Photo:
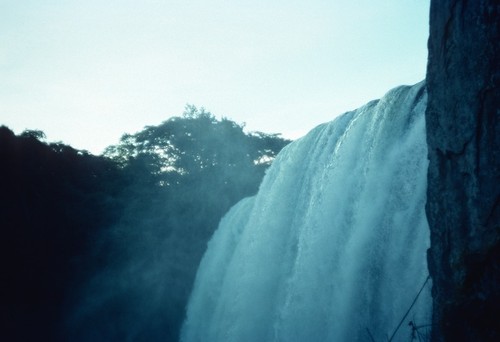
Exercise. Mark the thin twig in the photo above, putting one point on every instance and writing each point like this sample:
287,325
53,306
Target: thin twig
370,334
411,306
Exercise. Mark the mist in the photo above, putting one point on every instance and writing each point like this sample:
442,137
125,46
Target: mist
117,239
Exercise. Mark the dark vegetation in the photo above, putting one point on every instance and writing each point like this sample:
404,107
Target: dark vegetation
105,248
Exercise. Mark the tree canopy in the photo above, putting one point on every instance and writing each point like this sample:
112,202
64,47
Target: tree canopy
194,145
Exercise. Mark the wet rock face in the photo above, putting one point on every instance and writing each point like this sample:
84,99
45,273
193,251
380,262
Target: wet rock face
463,136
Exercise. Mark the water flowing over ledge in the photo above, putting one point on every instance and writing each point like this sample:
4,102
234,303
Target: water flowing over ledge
333,246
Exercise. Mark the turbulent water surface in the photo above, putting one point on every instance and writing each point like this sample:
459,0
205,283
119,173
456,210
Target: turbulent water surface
333,246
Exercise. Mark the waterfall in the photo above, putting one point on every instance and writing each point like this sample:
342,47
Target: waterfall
333,246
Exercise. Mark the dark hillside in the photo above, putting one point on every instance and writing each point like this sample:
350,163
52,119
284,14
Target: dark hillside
54,201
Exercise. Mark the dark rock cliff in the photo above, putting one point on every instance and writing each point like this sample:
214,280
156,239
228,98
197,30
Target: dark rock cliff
463,133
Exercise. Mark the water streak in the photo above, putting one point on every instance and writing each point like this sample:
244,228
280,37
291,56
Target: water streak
334,243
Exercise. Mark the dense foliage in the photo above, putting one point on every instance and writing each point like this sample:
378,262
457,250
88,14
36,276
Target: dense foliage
106,248
54,201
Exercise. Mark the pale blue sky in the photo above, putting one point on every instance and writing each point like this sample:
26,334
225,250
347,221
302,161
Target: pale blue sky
85,72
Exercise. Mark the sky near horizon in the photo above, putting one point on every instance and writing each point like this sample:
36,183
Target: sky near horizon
85,72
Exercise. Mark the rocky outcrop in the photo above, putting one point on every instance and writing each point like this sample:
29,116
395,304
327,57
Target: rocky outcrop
463,134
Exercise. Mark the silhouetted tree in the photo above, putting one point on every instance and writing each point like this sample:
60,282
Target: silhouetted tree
185,174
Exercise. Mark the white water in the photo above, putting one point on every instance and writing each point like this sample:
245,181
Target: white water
335,241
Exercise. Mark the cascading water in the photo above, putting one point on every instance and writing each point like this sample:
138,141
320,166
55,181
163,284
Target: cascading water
333,246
